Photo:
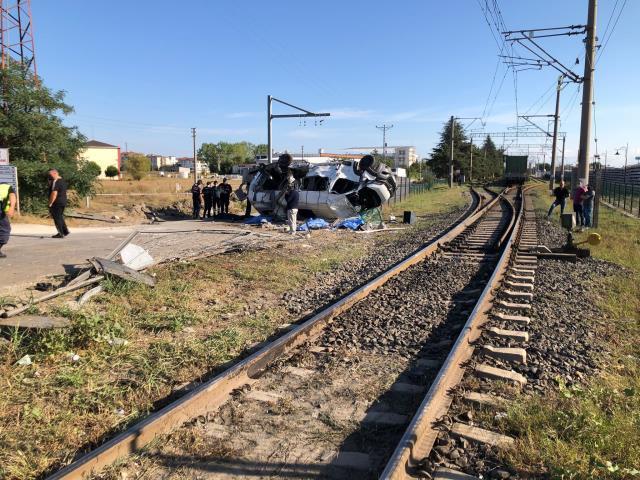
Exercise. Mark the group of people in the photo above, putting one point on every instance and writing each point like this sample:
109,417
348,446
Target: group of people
56,200
583,199
215,198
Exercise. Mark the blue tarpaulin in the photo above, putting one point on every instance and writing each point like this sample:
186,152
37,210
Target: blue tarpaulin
313,224
257,220
352,223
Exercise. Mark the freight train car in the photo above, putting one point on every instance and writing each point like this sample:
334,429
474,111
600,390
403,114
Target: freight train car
515,168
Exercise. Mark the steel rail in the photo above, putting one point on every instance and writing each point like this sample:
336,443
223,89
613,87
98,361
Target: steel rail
421,434
213,393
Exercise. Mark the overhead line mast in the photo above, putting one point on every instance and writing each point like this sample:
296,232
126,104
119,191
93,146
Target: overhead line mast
16,34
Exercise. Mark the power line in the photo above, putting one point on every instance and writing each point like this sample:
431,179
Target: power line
606,41
615,5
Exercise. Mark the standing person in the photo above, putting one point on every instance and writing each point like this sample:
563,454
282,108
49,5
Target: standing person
196,196
7,209
215,191
292,197
587,205
58,202
247,210
207,193
561,193
225,195
578,195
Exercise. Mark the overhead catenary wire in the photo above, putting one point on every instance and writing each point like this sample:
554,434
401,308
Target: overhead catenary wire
605,41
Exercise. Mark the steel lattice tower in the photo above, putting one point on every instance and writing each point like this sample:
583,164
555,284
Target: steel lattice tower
16,34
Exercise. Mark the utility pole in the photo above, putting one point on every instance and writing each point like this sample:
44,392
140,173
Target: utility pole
587,93
554,145
302,150
564,138
195,159
384,129
453,129
471,160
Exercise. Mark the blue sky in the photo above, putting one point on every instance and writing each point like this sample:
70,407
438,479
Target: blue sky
143,72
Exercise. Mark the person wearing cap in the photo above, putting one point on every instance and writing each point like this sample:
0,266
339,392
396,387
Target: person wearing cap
225,195
8,202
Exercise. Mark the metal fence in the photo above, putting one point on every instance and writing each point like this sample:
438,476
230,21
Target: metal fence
620,195
405,189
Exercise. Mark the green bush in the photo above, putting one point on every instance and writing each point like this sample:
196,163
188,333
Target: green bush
111,171
138,166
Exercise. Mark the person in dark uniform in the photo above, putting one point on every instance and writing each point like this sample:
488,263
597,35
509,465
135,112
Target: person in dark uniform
216,198
561,193
207,193
225,195
7,209
196,196
58,202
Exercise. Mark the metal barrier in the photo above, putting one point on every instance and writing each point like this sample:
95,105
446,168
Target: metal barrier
623,196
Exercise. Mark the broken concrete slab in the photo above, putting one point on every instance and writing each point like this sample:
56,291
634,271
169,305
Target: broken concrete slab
122,271
35,321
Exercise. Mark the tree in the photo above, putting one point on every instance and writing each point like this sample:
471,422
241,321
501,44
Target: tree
138,165
222,156
489,163
440,155
31,127
111,171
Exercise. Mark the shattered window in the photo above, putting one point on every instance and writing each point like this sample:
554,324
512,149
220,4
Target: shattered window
315,184
344,185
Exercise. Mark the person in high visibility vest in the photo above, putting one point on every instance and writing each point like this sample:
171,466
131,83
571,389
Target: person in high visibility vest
7,209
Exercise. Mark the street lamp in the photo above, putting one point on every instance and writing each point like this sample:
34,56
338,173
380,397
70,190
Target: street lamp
626,157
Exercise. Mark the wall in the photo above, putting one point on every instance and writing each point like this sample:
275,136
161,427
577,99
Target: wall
104,157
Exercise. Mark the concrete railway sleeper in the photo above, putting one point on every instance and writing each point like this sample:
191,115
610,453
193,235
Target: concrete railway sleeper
364,326
441,436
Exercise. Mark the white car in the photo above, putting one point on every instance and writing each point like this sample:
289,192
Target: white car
336,189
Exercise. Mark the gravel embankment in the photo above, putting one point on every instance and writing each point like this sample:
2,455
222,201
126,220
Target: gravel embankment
564,347
328,286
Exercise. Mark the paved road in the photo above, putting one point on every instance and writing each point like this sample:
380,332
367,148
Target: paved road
32,255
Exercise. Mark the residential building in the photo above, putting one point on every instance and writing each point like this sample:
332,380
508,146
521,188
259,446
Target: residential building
162,162
404,157
103,154
187,162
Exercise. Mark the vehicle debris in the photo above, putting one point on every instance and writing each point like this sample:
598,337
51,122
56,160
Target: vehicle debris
337,189
102,265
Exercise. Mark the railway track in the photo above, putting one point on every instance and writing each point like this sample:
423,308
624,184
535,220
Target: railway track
343,394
